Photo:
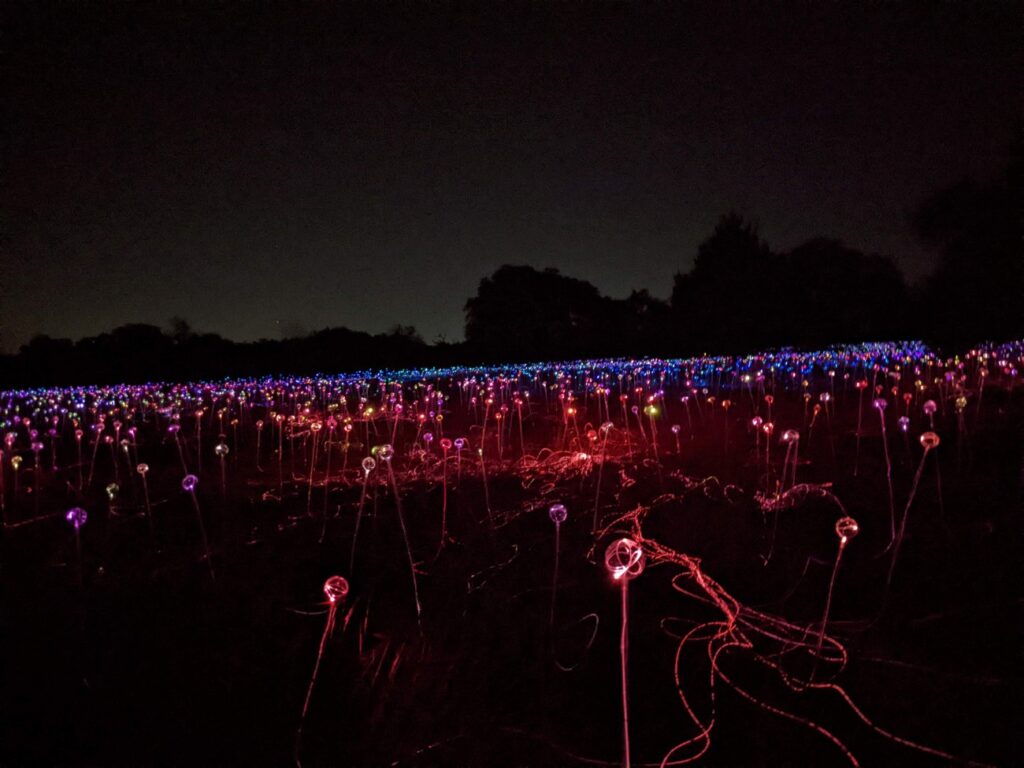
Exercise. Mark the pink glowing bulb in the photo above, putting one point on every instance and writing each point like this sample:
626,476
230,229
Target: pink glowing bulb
880,403
790,436
446,444
846,529
929,440
369,464
624,559
929,407
558,513
142,469
336,589
189,483
460,443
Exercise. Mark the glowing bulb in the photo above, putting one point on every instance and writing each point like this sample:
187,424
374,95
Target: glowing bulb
846,529
558,513
221,449
624,559
929,440
336,588
77,517
189,483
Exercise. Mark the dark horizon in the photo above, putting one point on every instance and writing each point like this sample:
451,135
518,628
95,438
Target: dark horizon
279,170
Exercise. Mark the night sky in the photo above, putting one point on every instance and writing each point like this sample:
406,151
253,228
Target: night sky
267,169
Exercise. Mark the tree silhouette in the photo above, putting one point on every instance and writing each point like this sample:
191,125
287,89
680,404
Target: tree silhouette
520,313
724,303
976,290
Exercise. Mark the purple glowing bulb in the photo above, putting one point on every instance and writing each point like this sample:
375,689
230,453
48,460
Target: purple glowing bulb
189,483
77,517
558,513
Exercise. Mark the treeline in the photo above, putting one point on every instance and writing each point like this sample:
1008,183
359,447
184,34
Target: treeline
739,296
140,353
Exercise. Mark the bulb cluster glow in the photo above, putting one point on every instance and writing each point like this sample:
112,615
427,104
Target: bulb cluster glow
502,452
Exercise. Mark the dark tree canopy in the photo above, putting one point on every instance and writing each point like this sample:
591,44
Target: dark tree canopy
726,300
977,289
521,313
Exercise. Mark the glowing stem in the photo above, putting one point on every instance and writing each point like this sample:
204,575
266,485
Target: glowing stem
359,517
554,578
202,532
888,477
408,549
623,657
328,630
828,596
